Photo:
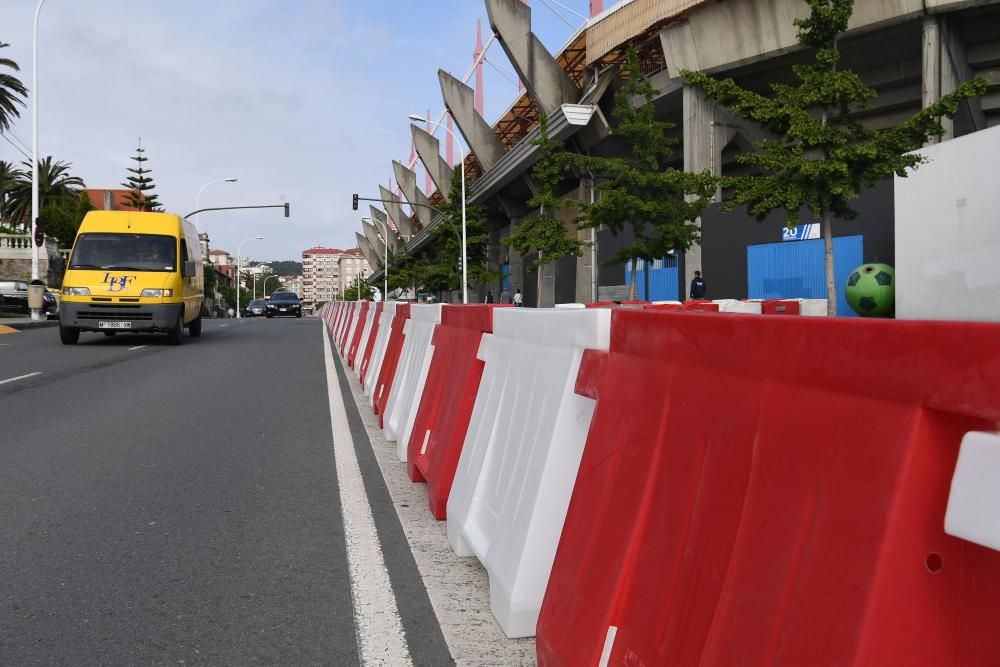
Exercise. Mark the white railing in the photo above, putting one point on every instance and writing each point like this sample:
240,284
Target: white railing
15,241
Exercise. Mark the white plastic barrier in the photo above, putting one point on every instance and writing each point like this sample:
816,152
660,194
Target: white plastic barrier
378,352
571,306
352,324
668,303
813,307
342,324
974,503
360,352
521,454
734,306
411,374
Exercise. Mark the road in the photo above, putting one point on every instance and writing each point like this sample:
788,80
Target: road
164,504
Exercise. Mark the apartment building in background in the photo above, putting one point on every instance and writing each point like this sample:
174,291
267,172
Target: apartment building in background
327,272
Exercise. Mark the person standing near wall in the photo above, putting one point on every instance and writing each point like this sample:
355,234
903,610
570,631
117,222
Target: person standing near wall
489,296
518,299
698,286
505,296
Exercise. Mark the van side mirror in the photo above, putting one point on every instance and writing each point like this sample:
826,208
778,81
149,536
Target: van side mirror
189,270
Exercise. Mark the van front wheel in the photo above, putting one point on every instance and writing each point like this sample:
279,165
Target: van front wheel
176,334
195,328
69,335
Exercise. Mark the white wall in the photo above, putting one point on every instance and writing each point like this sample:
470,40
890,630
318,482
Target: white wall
948,232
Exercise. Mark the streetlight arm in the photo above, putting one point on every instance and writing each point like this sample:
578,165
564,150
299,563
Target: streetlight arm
233,208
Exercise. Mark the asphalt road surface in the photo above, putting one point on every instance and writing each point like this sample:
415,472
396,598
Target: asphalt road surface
163,504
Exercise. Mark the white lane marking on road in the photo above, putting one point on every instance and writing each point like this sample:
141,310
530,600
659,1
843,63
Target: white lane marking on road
137,347
223,326
379,628
20,377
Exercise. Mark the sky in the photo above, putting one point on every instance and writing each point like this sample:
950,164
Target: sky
304,101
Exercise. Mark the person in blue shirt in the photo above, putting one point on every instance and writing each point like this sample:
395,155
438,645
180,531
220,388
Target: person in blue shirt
698,286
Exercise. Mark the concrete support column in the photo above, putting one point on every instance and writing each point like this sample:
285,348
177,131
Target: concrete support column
703,146
945,68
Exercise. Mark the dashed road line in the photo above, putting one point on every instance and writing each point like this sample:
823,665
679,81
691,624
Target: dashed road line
137,347
379,628
20,377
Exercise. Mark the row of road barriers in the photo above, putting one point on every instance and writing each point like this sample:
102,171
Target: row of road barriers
648,486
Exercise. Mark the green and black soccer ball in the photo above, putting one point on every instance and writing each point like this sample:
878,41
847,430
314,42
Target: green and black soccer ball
871,290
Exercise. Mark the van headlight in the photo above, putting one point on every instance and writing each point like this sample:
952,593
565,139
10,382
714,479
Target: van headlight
156,293
76,291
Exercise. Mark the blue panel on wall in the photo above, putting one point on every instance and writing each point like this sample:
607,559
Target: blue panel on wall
663,278
506,277
796,270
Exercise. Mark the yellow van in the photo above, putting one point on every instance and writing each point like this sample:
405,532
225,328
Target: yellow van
133,271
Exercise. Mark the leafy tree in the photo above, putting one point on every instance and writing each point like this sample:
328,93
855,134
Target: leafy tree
545,233
367,292
140,184
54,184
823,157
229,296
443,270
61,217
12,92
660,202
407,271
287,268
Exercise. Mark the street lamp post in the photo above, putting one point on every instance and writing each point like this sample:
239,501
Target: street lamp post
197,199
264,286
239,269
461,157
35,314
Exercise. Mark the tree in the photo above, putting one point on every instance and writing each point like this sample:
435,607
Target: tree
9,176
660,202
287,268
12,92
823,157
54,184
367,292
140,184
545,233
61,217
443,270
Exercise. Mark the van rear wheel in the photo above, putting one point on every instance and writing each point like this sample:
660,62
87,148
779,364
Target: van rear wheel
176,334
69,335
195,328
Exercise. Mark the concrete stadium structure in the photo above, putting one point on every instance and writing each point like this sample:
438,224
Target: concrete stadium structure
910,51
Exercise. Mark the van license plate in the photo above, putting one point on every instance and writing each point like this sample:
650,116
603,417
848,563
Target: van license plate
114,325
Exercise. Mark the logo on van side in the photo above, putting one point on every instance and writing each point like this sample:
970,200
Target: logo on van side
117,283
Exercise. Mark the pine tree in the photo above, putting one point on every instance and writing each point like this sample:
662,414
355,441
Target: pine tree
660,202
545,233
140,184
823,157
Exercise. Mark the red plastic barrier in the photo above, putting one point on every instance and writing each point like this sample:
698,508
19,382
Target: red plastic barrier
380,393
701,306
772,491
338,315
781,307
352,351
366,355
446,404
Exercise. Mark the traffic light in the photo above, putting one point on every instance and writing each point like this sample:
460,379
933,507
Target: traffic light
355,202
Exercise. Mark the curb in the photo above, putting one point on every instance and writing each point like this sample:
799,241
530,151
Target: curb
23,326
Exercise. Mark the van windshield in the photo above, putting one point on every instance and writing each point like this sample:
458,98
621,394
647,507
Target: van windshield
135,252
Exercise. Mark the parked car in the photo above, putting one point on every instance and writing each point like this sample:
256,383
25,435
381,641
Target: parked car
14,298
255,308
284,304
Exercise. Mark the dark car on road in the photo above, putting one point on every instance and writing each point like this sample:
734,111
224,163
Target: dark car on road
255,308
14,298
284,304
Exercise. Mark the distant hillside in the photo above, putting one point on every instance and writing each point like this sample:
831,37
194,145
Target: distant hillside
286,268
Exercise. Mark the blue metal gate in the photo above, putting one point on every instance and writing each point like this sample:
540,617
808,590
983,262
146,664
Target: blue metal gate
796,270
662,279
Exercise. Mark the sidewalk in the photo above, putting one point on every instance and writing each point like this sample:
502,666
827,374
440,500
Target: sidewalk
23,323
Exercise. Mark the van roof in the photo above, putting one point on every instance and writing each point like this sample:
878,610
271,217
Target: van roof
139,222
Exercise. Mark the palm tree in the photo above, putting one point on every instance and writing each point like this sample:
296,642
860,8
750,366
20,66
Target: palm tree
8,176
12,92
54,182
